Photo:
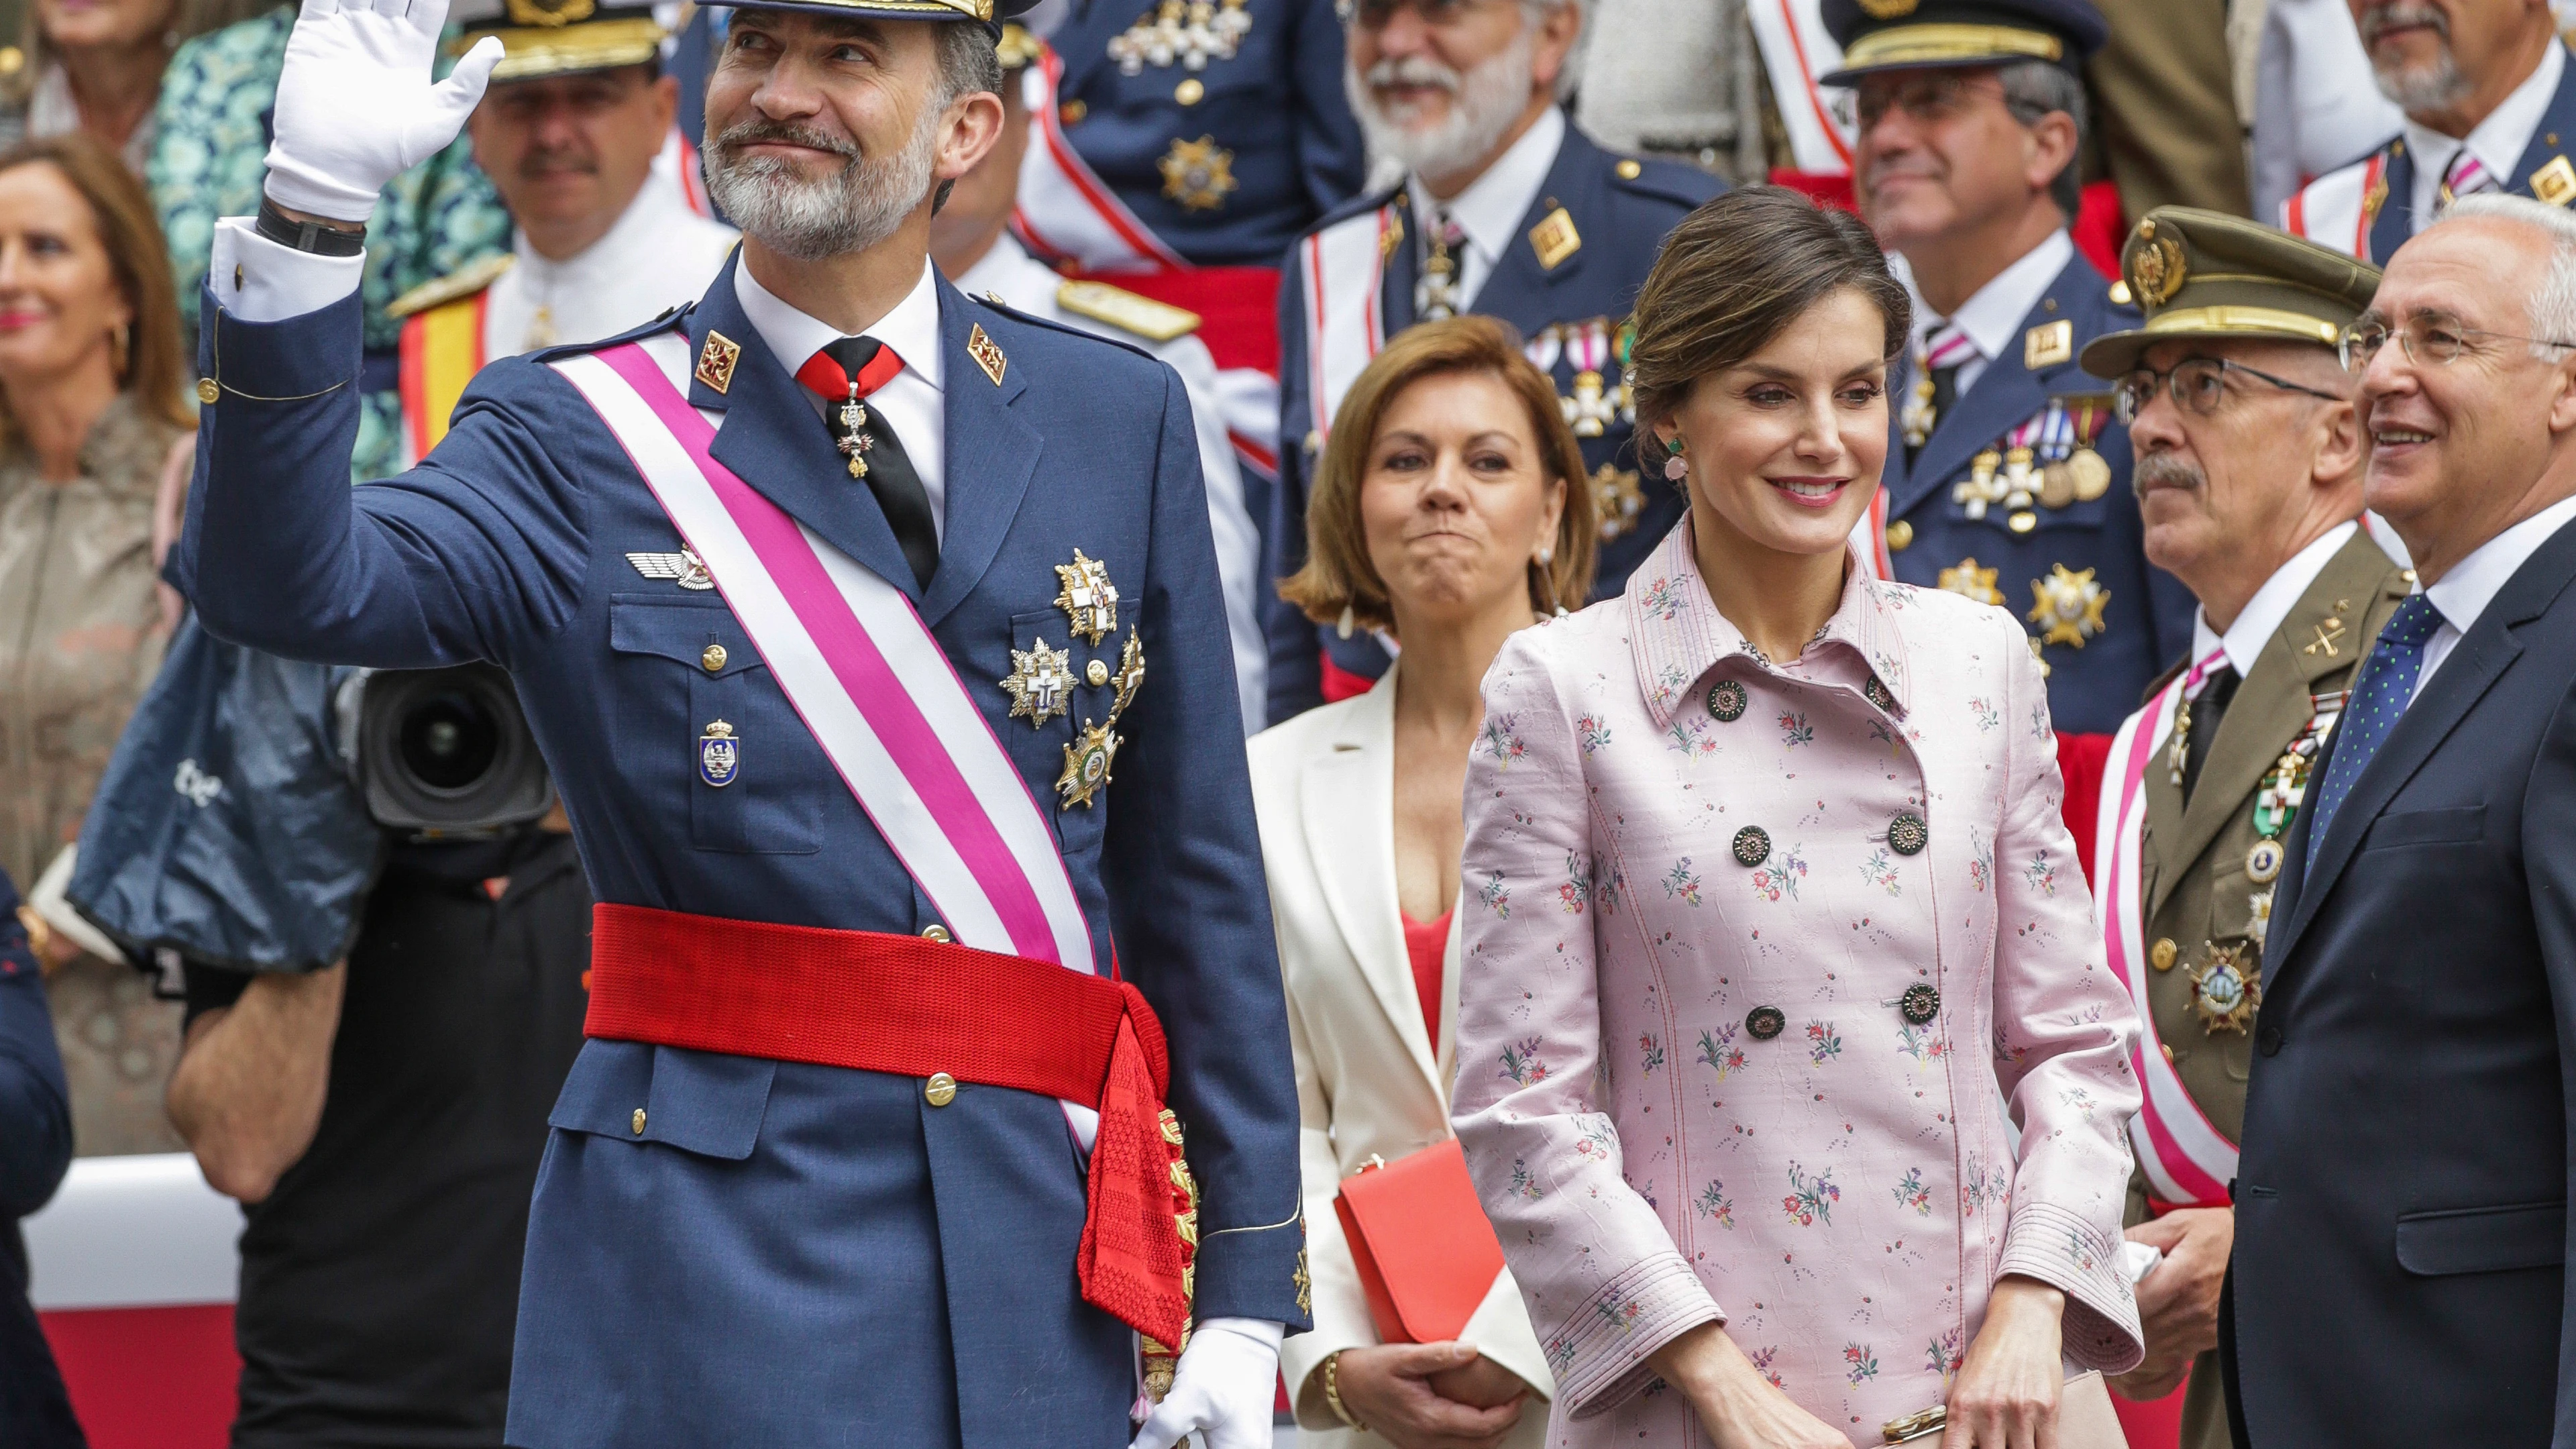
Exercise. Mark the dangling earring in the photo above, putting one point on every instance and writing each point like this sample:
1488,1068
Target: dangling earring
1553,606
1348,622
120,350
1675,470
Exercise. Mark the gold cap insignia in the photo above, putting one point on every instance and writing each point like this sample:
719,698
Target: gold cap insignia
716,357
986,352
1554,239
2048,344
2156,268
549,12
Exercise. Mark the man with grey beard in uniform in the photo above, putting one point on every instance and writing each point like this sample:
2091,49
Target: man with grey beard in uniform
2490,106
1500,196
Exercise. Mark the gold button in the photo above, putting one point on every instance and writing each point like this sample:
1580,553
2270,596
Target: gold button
2022,522
939,1090
2119,294
207,392
936,932
714,658
1189,92
1098,673
2162,953
1899,534
1629,170
1072,112
639,1121
2168,1051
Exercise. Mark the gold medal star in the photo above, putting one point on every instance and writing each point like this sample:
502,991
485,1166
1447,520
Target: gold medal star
1040,683
2069,604
1087,597
1086,766
1973,582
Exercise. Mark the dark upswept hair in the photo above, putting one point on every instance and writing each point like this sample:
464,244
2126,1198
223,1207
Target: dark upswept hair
1735,274
155,368
1337,574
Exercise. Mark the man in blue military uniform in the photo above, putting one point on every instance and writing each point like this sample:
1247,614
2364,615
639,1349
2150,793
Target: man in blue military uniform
2007,477
1505,208
873,636
2490,105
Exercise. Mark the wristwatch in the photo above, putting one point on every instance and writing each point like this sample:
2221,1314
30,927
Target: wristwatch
1333,1392
308,236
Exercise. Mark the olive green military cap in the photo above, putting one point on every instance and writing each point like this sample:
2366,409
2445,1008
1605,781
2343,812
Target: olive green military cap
2207,274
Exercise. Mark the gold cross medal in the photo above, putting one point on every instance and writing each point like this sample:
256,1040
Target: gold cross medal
855,443
1040,683
2070,605
2225,993
1086,766
1087,597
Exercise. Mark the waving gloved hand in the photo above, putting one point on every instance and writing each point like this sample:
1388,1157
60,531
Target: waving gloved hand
1223,1388
356,106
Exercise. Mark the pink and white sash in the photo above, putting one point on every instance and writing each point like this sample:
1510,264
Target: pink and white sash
2187,1161
859,666
1342,269
1065,210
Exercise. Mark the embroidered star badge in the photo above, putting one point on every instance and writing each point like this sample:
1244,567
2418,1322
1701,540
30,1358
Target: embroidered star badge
1040,683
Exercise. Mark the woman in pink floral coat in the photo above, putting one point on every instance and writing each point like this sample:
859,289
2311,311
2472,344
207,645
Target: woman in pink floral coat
1770,908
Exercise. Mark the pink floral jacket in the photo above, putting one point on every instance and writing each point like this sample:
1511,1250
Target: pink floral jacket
1754,953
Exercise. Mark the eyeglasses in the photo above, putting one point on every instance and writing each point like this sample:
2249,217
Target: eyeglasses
1927,97
1374,14
2197,385
2429,339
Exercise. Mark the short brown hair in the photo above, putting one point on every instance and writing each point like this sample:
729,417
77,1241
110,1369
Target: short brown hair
1338,574
126,228
1732,277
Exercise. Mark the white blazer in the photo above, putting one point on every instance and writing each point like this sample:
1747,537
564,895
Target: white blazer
1370,1081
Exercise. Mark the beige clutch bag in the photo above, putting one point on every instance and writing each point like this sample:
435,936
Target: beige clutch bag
2084,1419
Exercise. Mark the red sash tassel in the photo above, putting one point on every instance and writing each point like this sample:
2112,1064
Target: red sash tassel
913,1007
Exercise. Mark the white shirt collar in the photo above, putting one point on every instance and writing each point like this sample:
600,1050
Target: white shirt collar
911,329
2471,585
2498,141
1993,314
1007,271
1490,209
2263,614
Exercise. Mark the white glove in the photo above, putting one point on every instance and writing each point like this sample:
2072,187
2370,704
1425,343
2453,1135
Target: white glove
1224,1388
355,104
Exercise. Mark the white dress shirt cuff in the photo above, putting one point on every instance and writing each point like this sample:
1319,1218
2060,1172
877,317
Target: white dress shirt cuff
258,280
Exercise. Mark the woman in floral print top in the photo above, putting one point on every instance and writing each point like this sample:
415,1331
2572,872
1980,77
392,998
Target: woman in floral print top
1771,902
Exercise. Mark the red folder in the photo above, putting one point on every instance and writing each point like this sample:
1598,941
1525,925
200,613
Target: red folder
1425,1252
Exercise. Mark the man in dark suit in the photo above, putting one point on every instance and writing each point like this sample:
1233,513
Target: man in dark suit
35,1151
2401,1195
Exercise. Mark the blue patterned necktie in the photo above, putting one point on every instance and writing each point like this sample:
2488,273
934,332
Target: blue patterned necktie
2387,683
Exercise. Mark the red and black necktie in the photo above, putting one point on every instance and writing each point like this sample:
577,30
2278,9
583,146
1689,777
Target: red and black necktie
845,372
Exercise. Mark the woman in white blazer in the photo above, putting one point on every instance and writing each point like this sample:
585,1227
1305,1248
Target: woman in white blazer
1450,508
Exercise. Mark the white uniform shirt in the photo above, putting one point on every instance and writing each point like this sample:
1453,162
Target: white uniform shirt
658,255
1028,285
1993,313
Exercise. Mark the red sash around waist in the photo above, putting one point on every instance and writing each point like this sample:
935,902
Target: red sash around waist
915,1007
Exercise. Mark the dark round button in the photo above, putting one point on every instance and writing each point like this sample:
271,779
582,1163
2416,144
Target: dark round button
1907,834
1878,694
1920,1003
1752,846
1726,700
1765,1022
2268,1041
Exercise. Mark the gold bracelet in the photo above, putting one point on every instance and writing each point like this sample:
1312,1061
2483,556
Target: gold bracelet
1333,1391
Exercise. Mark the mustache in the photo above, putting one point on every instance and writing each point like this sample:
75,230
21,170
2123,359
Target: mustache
2380,19
547,160
754,132
1414,70
2164,470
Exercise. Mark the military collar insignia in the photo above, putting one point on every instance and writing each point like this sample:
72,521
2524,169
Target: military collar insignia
1554,239
2555,183
2048,344
987,354
716,358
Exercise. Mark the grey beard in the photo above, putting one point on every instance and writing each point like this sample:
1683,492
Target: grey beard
810,220
2422,89
1486,101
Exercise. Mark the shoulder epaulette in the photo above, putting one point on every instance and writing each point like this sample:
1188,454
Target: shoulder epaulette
1128,312
466,283
1673,181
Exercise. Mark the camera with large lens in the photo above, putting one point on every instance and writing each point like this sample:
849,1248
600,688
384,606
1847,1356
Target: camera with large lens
443,751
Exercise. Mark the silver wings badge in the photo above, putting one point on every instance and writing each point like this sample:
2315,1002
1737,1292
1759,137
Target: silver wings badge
685,566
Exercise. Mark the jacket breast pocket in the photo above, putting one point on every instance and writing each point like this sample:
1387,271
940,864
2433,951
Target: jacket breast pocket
2450,825
2482,1240
700,1102
1043,749
706,705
